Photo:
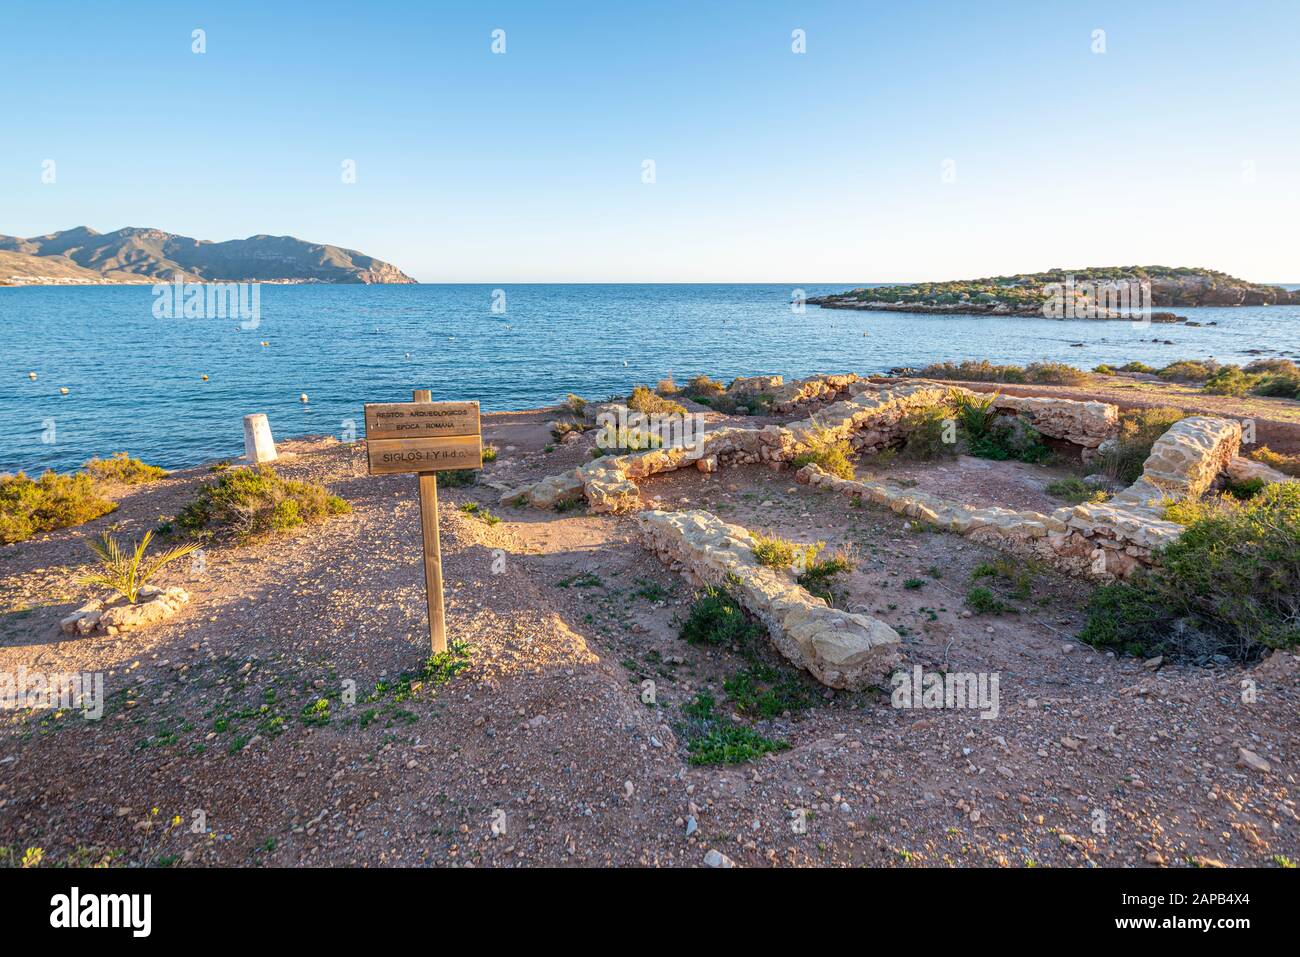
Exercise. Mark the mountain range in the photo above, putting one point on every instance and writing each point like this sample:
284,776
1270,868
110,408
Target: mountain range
82,256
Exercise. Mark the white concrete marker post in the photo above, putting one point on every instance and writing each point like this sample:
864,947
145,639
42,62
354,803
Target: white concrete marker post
258,444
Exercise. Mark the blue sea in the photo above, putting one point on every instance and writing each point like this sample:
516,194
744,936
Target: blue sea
135,381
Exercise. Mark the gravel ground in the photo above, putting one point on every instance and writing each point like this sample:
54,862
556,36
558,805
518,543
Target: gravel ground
542,750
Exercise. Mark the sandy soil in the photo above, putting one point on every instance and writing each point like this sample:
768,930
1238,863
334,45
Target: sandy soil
1091,760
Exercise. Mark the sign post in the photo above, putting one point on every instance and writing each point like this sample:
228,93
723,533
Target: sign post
425,437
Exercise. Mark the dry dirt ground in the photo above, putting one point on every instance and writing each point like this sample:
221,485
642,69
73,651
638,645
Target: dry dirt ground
214,717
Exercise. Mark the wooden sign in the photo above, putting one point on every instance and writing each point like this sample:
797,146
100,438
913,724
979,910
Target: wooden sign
401,420
388,456
425,437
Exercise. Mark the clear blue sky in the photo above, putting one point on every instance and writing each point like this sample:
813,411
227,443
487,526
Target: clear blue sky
1180,145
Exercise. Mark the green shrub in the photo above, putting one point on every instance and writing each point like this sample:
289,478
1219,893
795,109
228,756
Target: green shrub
476,510
973,371
457,478
1138,431
716,618
702,385
1228,585
731,744
120,467
766,692
818,574
712,740
828,452
31,506
1278,386
1188,370
614,441
984,602
1283,367
1138,367
1128,618
1054,373
1103,369
1229,380
643,400
1075,491
575,404
1245,489
773,551
246,502
925,431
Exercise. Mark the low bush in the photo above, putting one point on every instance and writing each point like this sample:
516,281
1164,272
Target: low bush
765,692
1138,367
31,506
973,371
643,400
1054,373
988,435
1286,464
828,452
1075,491
1230,585
716,618
1188,370
702,385
984,602
457,478
817,574
615,441
1230,380
1138,431
713,740
776,552
1277,386
1274,367
931,433
246,502
120,467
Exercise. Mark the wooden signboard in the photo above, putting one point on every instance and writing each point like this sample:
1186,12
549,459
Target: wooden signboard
425,437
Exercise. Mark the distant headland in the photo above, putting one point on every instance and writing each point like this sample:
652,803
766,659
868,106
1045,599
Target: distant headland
82,256
1027,294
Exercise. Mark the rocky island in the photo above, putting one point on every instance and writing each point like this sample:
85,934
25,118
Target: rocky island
82,256
1034,294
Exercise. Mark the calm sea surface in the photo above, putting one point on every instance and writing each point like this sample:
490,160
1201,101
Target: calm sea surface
135,381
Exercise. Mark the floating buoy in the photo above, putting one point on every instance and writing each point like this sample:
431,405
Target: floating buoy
265,343
32,376
303,397
63,390
205,377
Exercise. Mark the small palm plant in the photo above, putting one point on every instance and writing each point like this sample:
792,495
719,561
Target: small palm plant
127,574
975,413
